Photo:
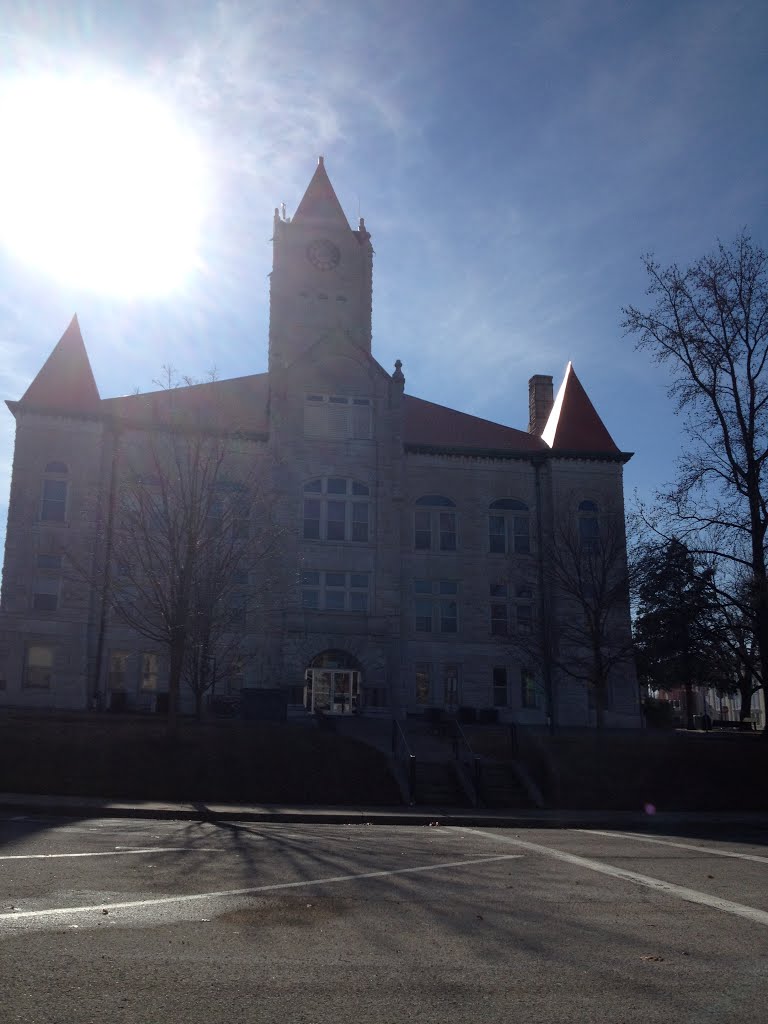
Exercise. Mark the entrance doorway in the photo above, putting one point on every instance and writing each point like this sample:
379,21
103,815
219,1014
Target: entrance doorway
332,684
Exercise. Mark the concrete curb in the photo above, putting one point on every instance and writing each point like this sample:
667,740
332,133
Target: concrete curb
93,807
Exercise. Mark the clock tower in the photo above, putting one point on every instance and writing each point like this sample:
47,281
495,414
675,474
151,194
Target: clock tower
321,276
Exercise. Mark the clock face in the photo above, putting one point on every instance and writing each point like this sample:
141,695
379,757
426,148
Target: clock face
323,254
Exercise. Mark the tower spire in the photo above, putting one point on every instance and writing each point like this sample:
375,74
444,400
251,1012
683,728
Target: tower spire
65,381
573,423
320,203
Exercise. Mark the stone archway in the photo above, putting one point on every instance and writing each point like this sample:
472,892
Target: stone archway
332,683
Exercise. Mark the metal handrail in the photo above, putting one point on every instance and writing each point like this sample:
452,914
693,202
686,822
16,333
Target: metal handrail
400,740
460,738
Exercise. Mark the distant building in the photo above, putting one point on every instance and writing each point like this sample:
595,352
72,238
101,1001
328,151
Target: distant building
415,570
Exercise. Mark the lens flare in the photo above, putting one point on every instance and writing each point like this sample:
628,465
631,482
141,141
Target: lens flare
100,185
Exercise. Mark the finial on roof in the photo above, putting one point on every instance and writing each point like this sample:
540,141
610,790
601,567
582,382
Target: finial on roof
398,374
320,161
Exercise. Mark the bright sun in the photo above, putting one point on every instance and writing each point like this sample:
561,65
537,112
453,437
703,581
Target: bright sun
99,185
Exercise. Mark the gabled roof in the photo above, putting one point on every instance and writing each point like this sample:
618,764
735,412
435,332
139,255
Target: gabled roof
573,424
65,382
436,426
239,405
320,202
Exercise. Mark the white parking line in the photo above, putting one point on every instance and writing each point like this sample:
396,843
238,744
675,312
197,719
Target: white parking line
668,842
689,895
223,894
108,853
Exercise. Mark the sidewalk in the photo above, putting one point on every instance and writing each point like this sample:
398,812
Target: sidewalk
24,804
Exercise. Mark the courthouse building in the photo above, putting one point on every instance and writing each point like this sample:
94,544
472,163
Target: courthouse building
414,569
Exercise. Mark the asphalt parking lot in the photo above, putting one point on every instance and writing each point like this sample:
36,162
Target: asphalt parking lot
164,921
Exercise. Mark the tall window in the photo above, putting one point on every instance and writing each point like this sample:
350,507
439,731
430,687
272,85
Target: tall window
511,610
589,524
118,670
53,506
336,509
45,593
434,524
149,669
38,671
423,683
509,530
436,606
335,591
529,696
500,686
338,417
451,685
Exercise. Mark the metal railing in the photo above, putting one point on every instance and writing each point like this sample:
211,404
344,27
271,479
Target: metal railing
401,751
472,762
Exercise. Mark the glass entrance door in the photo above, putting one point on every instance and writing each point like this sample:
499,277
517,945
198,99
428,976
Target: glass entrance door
333,692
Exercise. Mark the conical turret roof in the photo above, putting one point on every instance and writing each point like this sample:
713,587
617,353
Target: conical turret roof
573,424
320,202
65,383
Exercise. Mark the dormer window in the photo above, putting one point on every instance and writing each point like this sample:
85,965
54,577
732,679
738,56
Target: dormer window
338,417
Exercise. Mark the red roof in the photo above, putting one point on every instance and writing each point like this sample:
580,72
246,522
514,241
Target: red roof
320,202
239,404
65,382
437,426
573,424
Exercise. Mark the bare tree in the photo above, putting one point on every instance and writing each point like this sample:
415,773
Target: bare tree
709,325
589,574
193,529
583,630
738,662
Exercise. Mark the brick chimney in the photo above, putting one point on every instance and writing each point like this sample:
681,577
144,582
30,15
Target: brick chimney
540,402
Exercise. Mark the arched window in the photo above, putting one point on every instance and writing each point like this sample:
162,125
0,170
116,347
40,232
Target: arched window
509,530
434,524
53,504
589,524
336,509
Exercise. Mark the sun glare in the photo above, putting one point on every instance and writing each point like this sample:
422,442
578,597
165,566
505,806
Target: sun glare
100,186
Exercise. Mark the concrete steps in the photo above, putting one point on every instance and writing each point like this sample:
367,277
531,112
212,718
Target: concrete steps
436,784
500,786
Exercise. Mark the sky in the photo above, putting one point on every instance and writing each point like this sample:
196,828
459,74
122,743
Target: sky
513,161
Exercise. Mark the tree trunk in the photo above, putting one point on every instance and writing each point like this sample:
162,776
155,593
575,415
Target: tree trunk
688,703
745,693
174,680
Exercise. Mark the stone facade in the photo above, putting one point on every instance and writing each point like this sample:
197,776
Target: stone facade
413,568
